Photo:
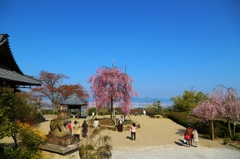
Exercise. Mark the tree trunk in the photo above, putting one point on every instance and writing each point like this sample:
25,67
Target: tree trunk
95,113
229,128
111,116
129,117
234,130
212,127
14,136
53,110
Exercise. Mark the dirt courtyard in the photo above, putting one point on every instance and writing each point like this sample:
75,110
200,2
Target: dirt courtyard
156,138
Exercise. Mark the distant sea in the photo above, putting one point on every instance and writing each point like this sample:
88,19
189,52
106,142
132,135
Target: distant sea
136,102
142,102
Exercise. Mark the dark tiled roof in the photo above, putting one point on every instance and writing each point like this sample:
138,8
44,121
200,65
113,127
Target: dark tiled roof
6,55
74,99
3,39
18,78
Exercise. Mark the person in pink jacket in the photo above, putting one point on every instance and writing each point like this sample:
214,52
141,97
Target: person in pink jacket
132,130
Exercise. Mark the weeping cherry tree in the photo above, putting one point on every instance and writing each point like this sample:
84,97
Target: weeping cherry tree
229,104
111,85
206,111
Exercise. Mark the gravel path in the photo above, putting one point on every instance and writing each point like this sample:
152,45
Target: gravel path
171,152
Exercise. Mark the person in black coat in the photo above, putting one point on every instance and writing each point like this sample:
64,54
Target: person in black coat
84,129
120,124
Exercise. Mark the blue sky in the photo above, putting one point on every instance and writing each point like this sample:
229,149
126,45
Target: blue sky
166,46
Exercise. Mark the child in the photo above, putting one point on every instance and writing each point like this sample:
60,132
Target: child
70,126
195,138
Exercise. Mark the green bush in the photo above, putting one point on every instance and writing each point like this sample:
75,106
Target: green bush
220,126
226,140
28,153
44,112
30,138
207,136
203,127
90,110
182,118
236,137
10,153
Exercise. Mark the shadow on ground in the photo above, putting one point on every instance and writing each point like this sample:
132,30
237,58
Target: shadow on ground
128,137
180,143
180,131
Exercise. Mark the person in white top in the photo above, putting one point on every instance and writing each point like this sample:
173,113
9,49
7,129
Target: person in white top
195,138
96,123
123,119
144,112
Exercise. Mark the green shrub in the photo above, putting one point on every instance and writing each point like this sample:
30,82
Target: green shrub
10,153
220,126
30,138
207,136
102,111
90,148
236,137
20,153
182,118
226,140
44,112
90,110
28,153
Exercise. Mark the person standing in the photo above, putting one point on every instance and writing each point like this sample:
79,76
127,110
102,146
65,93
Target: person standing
84,129
187,135
70,126
76,130
96,123
123,119
133,131
120,124
195,138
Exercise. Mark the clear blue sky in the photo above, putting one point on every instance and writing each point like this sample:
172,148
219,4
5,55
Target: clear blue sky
167,46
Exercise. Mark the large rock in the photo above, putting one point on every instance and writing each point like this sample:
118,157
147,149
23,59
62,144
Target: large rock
61,141
51,151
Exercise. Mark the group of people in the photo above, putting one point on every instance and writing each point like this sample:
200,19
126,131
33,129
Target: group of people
75,129
132,129
191,136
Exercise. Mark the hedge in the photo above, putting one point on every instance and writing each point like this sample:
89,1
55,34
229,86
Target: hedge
184,119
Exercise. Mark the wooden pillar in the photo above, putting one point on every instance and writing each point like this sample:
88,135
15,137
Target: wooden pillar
80,111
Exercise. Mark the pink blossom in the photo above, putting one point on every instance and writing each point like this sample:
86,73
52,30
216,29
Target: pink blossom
112,83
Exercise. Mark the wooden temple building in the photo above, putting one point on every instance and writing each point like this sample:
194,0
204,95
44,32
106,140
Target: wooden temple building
74,102
11,76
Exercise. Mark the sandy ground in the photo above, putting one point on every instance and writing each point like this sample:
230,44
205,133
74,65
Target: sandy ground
157,138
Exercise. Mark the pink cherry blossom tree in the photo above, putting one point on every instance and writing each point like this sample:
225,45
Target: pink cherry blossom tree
229,105
235,111
111,85
207,111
